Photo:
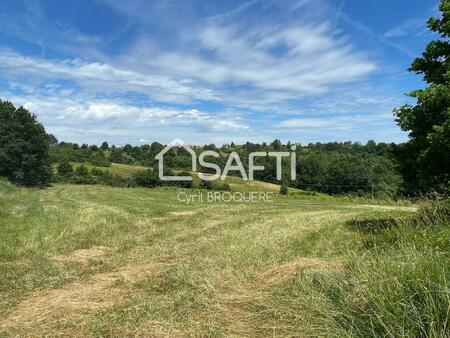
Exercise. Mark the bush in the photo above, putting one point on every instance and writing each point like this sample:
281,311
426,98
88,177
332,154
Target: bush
147,178
81,175
206,185
64,169
81,171
184,184
284,189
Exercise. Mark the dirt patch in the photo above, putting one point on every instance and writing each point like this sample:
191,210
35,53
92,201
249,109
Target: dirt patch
283,273
83,256
62,311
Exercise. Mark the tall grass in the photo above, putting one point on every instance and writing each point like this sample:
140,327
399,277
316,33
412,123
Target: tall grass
397,285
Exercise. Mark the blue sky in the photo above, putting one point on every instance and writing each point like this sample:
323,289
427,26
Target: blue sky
137,71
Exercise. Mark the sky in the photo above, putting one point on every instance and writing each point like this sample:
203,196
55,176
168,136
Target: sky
204,71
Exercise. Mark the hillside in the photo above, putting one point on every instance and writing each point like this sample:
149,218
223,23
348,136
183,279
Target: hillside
236,183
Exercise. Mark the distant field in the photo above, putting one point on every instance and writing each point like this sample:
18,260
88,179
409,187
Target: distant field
236,183
103,261
123,170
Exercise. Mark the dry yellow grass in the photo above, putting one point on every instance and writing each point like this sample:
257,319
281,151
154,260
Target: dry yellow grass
62,311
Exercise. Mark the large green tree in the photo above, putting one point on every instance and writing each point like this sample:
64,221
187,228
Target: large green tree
24,147
424,159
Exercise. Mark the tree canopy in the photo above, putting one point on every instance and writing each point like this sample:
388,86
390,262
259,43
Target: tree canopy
24,147
424,160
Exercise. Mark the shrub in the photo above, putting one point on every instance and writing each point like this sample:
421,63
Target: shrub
81,175
81,171
184,184
147,178
284,189
64,169
206,185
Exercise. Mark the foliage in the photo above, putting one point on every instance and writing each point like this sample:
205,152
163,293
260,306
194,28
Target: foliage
64,168
24,147
425,161
207,185
82,175
225,187
184,184
147,178
283,189
334,168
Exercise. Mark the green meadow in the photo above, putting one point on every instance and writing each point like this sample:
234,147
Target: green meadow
99,261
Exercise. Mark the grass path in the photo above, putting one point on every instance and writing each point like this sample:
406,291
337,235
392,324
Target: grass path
99,261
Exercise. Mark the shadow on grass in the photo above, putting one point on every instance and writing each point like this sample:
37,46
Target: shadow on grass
372,226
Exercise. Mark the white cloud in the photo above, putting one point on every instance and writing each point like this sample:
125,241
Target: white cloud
87,110
102,77
312,59
406,28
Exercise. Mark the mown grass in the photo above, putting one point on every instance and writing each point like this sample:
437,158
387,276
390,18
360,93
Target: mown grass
103,261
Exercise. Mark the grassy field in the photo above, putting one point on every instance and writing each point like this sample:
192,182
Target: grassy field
123,170
102,261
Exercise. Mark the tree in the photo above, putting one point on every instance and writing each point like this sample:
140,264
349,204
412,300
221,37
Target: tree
52,140
104,146
424,160
24,147
276,144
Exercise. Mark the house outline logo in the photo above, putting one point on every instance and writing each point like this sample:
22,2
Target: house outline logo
160,157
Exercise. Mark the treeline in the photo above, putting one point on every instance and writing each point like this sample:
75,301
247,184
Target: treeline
27,154
335,168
